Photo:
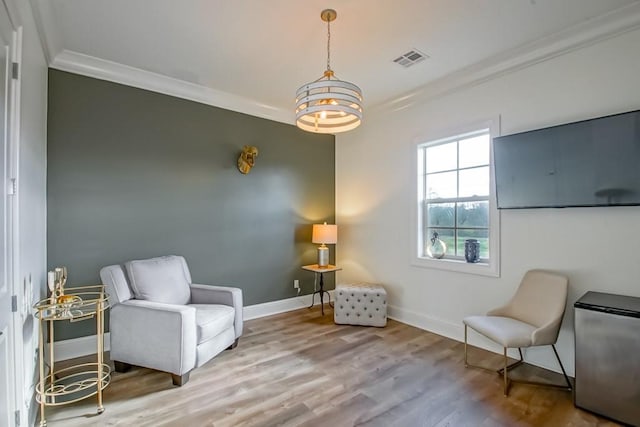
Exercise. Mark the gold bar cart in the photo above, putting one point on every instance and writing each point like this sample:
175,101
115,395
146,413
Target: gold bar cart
74,383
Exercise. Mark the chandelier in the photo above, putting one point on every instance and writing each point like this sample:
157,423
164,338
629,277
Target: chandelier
328,105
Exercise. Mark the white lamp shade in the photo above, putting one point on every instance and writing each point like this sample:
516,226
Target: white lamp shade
325,233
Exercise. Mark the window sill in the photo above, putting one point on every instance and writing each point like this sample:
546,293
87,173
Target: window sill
459,266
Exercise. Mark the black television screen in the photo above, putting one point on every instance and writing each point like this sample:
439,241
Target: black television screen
589,163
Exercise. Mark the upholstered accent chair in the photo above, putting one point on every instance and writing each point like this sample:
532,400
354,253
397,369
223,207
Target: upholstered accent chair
160,320
531,318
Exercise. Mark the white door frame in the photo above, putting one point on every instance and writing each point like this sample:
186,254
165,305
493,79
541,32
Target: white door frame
7,318
12,31
13,222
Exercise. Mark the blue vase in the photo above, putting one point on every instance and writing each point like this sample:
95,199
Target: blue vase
472,250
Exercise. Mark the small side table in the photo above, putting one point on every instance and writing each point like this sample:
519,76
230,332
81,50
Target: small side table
321,270
72,384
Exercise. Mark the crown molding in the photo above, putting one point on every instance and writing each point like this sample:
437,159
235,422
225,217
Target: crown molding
102,69
584,34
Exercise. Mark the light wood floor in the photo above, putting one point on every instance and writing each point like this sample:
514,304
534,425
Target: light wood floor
299,369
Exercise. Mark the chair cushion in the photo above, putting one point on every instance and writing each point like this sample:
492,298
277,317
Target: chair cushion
503,330
161,279
211,319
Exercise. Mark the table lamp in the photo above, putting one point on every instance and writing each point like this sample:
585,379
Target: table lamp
324,234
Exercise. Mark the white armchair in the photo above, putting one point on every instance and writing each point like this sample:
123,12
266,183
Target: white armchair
160,320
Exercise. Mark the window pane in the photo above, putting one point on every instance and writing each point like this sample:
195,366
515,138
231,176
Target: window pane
474,151
442,157
442,185
481,235
474,182
447,235
473,214
440,215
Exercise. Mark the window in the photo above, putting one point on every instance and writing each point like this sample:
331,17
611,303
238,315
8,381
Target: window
455,200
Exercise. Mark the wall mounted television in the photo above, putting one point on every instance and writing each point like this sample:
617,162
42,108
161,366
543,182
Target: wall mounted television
588,163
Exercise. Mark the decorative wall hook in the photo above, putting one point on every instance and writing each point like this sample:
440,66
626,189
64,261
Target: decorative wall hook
247,158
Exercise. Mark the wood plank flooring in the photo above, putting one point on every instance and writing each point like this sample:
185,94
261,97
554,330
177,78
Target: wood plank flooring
300,369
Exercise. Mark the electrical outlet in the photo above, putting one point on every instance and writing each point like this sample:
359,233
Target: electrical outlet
296,284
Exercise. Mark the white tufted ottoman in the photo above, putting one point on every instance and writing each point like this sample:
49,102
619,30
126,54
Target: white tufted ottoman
360,304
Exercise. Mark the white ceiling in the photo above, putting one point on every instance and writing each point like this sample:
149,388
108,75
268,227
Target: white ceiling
264,50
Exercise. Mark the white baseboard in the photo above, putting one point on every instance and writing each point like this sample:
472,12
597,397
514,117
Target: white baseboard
281,306
443,327
83,346
456,332
77,347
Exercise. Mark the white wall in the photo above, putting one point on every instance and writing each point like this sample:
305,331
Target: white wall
595,247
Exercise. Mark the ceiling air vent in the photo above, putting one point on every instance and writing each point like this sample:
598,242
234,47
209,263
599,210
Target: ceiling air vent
410,58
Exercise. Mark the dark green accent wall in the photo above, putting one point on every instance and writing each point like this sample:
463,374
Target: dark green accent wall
133,174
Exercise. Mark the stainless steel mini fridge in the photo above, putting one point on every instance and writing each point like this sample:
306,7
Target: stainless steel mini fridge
607,329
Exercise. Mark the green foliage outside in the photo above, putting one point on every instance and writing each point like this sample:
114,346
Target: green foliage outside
471,220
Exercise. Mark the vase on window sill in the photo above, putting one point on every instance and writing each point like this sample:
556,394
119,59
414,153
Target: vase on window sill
437,249
472,250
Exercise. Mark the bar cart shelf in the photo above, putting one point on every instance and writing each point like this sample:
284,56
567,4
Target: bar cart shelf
78,382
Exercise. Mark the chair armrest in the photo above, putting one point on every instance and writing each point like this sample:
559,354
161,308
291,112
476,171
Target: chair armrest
154,335
225,295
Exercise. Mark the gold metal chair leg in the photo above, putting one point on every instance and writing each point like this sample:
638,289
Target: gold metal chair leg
514,364
466,365
498,371
546,384
504,373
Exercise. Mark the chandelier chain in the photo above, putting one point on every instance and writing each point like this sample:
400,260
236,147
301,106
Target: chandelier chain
328,45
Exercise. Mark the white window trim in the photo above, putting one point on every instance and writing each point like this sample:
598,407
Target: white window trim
492,268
